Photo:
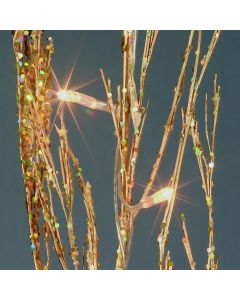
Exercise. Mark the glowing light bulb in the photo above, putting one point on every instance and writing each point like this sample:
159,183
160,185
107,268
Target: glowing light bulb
82,99
62,95
165,194
162,195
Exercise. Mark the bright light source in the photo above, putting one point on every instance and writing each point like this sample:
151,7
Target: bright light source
82,99
163,195
211,165
62,95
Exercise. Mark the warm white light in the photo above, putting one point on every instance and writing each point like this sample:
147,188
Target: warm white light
211,165
163,195
62,95
82,99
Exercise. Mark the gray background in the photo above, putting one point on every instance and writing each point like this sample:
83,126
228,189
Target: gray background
95,49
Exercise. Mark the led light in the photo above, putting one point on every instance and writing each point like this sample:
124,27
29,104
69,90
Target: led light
62,95
82,99
163,195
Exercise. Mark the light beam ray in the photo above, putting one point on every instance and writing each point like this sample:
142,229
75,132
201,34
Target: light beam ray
71,73
177,218
94,80
188,182
81,132
54,120
54,99
155,220
142,185
187,201
86,83
55,77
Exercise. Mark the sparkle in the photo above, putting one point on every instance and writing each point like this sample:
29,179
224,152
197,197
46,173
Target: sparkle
167,193
163,194
62,95
211,165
